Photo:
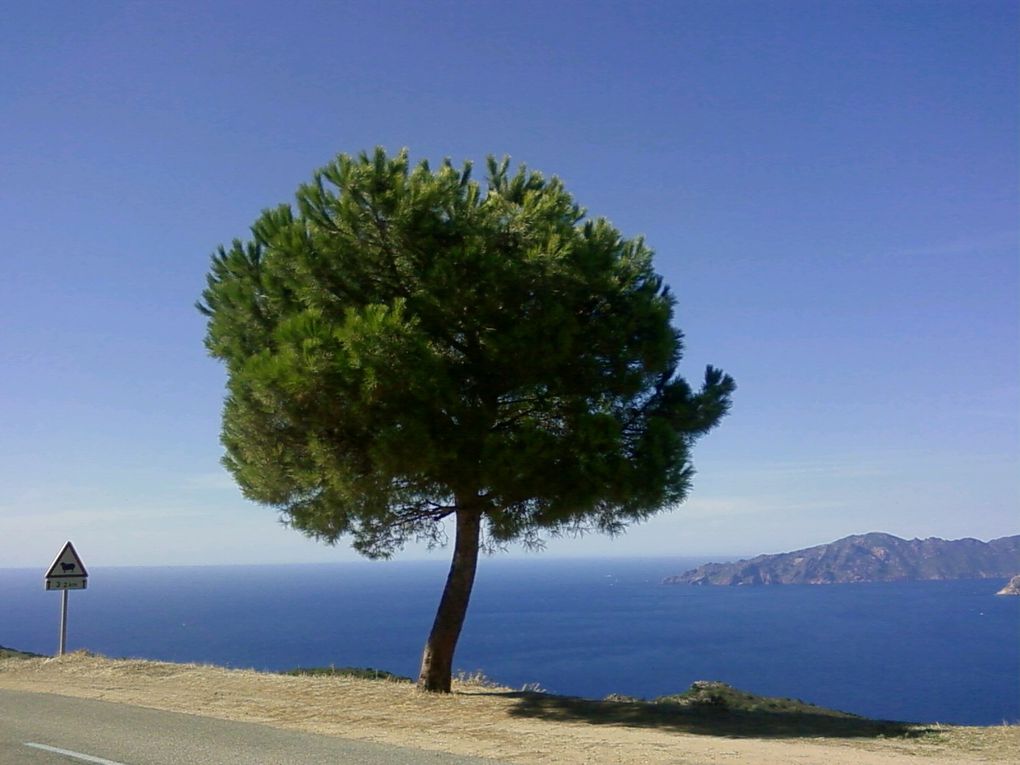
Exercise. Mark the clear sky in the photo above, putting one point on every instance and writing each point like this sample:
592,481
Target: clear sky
831,189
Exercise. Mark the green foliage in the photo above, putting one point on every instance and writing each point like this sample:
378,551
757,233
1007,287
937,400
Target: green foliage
361,673
713,695
407,342
10,653
714,708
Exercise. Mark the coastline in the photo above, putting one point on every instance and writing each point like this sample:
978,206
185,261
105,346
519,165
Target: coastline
551,624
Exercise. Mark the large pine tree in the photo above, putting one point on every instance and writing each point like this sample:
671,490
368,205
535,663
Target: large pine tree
409,346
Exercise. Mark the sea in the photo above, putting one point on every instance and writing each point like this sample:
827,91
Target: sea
914,651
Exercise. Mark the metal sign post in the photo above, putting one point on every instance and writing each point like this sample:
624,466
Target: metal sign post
66,573
63,623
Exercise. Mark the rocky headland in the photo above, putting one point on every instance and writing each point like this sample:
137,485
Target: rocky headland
873,557
1012,587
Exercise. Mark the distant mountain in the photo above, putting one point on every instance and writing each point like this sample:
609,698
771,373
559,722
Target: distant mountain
871,557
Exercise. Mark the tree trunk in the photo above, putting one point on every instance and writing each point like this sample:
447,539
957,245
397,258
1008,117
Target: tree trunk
437,658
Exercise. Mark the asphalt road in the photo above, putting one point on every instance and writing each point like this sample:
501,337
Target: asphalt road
41,729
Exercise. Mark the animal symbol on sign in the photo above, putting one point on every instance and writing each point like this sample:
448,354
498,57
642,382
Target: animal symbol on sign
67,566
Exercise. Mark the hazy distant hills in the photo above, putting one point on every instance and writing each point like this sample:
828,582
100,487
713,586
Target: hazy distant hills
873,557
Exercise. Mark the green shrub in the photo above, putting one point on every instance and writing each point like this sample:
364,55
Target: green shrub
362,673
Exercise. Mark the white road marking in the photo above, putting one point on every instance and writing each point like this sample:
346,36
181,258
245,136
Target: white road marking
75,755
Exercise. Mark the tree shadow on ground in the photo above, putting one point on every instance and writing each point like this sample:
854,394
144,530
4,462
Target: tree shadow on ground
707,721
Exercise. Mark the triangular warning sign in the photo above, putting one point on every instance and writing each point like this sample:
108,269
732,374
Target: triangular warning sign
67,565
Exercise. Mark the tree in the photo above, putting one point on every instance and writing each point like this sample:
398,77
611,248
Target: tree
409,347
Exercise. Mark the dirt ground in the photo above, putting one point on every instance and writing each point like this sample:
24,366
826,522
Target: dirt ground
484,721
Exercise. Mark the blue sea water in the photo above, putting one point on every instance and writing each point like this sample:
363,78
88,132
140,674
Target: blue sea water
919,651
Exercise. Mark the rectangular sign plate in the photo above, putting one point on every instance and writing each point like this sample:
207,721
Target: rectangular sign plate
78,583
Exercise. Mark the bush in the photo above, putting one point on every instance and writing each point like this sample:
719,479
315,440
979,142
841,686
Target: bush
362,673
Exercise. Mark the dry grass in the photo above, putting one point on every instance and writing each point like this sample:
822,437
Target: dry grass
480,720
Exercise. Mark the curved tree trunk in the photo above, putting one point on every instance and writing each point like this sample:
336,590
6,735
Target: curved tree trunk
437,659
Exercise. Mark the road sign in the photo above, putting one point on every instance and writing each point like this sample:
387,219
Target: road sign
67,571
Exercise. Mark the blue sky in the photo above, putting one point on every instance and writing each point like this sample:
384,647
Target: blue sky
831,190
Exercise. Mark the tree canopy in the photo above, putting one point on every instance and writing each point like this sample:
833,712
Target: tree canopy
407,345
